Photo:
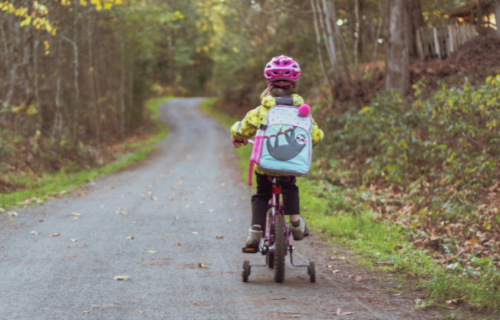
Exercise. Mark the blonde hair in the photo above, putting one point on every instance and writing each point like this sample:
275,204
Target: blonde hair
276,91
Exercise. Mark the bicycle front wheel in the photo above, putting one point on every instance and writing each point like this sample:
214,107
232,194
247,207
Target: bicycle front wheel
279,248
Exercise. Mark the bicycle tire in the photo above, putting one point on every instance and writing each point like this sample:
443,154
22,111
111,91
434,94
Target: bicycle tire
270,255
280,247
246,270
312,271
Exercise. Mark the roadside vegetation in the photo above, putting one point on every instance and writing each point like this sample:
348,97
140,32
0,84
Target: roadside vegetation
34,189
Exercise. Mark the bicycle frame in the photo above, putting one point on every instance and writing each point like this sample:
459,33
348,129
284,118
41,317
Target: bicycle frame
276,209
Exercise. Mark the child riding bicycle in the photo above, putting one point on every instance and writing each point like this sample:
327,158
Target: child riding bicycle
282,74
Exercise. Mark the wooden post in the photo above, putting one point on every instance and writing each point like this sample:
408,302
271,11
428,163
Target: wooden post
419,44
497,18
436,43
450,37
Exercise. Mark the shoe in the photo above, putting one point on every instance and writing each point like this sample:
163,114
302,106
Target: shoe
254,237
301,231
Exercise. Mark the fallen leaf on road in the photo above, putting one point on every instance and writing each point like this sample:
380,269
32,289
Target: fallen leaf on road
154,198
201,265
160,238
340,313
218,237
102,306
187,205
12,214
152,251
55,234
211,210
177,218
74,214
129,238
222,184
135,221
170,199
164,207
118,278
2,210
34,233
178,244
121,212
358,279
201,202
86,311
73,240
335,271
150,193
229,220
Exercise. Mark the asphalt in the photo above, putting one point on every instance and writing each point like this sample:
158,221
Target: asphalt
173,205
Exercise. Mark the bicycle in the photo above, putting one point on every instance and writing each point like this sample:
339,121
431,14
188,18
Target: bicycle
276,240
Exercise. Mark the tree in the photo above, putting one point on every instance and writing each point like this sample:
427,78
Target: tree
397,72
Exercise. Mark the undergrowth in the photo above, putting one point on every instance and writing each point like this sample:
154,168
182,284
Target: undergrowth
37,189
345,213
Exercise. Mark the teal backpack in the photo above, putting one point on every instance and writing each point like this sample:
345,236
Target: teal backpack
284,145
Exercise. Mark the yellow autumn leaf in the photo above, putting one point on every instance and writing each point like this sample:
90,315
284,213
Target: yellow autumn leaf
83,3
473,241
108,5
65,2
25,22
119,2
236,49
32,110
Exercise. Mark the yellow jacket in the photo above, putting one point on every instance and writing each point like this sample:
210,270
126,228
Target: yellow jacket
247,128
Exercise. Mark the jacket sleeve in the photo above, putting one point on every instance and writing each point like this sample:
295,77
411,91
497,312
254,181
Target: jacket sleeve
316,133
247,128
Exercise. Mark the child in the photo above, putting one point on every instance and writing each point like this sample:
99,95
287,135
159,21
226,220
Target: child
282,74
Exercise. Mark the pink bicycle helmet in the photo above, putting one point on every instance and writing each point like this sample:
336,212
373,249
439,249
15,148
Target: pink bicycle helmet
282,71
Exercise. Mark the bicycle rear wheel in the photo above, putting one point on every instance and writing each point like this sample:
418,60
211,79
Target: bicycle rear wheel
279,248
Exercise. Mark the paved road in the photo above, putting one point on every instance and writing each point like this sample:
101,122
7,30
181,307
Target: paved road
173,205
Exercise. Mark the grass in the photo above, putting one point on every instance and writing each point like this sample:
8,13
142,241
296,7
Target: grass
344,215
53,184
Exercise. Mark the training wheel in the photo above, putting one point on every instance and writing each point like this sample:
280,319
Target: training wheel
246,270
311,271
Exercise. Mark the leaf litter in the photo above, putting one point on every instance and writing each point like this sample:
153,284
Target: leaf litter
121,278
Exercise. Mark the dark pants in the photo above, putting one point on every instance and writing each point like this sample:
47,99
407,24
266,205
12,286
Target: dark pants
260,200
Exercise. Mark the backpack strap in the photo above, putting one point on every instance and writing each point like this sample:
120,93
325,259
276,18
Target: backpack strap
250,173
284,101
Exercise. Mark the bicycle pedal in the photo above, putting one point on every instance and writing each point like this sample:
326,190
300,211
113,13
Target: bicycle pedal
249,250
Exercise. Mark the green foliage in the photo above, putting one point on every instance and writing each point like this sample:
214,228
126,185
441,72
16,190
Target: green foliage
450,138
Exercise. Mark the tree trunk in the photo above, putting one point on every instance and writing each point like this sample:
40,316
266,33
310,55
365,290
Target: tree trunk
318,45
331,43
397,71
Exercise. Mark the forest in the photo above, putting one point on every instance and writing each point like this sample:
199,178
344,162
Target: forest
406,92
